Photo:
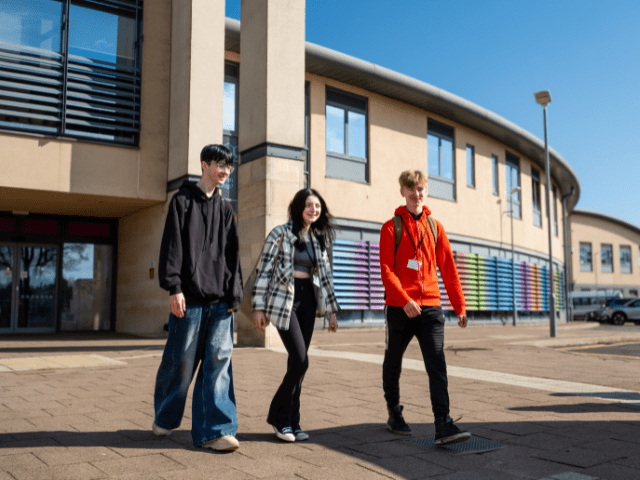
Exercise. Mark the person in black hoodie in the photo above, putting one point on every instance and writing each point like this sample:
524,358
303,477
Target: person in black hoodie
200,267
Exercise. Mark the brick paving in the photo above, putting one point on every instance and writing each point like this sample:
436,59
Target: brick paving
60,421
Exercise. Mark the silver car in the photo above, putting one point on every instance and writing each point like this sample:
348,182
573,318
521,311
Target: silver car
620,312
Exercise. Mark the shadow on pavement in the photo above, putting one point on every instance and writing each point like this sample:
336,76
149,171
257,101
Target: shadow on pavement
605,449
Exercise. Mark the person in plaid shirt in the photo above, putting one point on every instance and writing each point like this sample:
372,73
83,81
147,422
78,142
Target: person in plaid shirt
294,257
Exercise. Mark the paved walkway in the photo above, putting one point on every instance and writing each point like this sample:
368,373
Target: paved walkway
80,407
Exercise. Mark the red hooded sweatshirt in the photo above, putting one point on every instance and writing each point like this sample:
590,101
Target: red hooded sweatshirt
420,283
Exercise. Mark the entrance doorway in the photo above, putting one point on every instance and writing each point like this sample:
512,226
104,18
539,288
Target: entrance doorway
28,286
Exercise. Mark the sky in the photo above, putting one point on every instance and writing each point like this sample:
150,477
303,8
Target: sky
497,53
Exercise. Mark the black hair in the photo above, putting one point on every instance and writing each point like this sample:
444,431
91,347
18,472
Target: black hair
322,228
216,153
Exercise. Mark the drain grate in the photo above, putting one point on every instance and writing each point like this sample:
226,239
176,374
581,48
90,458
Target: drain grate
473,445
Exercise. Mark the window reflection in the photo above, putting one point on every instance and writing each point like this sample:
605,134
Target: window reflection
86,286
335,129
29,23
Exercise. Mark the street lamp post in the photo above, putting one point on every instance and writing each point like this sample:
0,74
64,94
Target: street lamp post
543,98
513,258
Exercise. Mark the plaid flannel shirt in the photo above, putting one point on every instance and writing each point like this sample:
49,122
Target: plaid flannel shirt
273,290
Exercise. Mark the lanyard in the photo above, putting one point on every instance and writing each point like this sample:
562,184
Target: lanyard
411,238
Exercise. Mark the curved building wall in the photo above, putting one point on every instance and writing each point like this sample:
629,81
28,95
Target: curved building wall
476,220
593,236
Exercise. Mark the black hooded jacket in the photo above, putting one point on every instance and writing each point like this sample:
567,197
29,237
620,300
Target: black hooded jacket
199,253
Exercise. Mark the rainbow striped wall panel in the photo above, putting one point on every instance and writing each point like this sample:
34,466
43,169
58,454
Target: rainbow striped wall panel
487,282
356,275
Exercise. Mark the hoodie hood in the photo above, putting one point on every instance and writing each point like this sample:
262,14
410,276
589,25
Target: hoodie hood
402,211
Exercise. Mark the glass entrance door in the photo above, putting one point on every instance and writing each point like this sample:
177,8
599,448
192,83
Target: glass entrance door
7,267
28,288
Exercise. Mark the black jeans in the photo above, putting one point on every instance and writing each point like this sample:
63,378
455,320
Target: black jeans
285,406
428,327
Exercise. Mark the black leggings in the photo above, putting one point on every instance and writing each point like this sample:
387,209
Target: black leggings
285,406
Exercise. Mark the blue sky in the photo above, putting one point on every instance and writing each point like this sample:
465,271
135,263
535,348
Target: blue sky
497,53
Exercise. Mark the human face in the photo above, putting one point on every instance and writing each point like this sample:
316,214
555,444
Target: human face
312,210
217,173
414,197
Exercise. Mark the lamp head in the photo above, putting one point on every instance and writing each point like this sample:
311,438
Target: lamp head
514,190
543,97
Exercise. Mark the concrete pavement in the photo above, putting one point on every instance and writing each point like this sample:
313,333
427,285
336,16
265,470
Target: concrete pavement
82,406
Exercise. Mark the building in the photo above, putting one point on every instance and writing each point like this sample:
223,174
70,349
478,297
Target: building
100,126
604,253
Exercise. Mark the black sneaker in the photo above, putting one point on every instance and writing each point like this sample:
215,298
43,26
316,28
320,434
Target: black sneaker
447,433
396,421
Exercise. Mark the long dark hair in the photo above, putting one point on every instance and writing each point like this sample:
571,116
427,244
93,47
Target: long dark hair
322,228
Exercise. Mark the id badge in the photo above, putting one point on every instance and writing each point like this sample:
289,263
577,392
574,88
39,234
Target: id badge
412,264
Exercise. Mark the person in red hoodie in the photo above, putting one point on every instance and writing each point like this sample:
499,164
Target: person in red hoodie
413,306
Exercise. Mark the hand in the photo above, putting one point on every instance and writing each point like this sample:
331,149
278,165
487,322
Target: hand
462,320
412,309
177,305
333,323
259,320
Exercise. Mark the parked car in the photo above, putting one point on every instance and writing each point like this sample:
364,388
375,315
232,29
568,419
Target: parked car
620,310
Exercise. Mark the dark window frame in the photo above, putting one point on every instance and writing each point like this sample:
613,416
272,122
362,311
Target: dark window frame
536,197
447,133
512,162
62,95
495,177
471,165
608,249
626,267
348,102
584,265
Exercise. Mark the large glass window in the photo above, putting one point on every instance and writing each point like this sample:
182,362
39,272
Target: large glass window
87,282
494,174
471,166
513,181
346,136
585,257
230,129
440,159
535,201
625,259
606,254
71,67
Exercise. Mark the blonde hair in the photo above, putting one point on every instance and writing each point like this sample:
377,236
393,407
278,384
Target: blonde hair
412,178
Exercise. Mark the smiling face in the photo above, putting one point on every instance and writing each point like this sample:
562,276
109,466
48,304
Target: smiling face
216,173
413,197
312,210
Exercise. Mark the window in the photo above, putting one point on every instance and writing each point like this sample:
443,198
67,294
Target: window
633,292
307,134
494,174
535,189
230,129
555,211
346,136
440,160
625,259
606,253
585,257
471,167
513,181
71,68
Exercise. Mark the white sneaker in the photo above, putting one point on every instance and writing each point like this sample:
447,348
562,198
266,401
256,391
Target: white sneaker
159,431
285,434
228,443
301,436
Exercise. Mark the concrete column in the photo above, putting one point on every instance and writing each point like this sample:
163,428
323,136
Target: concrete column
197,83
271,129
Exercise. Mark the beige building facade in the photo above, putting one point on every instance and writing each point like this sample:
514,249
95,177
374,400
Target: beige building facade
86,176
605,253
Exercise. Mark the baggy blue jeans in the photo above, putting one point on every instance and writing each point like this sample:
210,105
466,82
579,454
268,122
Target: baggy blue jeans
202,338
